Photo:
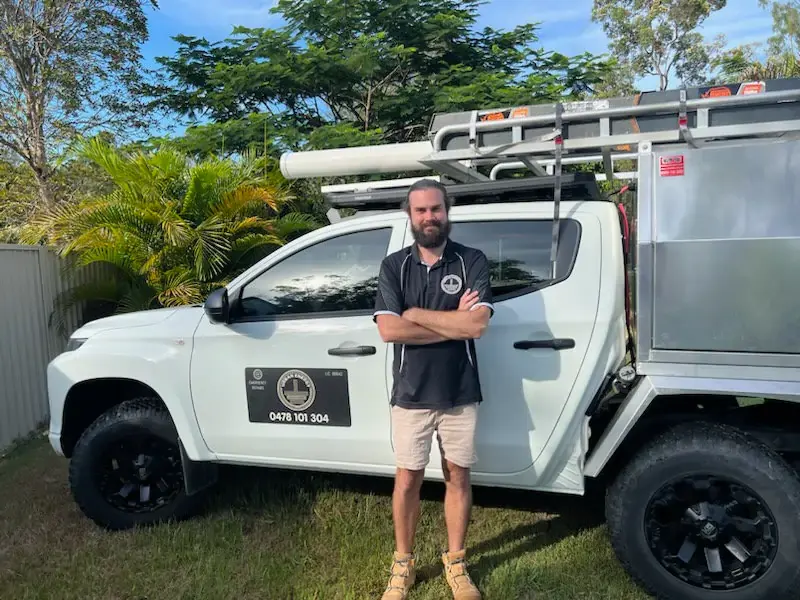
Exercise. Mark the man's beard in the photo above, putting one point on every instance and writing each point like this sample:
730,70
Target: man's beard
435,238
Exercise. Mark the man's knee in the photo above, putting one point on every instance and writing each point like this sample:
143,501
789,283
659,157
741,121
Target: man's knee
455,475
408,481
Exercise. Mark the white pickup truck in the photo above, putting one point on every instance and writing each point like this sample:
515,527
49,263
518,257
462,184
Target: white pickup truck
693,424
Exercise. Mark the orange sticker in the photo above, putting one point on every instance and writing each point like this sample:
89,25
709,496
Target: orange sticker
496,116
717,92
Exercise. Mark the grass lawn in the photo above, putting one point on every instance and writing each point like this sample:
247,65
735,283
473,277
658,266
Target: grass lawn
291,536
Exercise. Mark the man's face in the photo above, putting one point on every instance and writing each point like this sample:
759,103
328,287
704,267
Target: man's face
429,222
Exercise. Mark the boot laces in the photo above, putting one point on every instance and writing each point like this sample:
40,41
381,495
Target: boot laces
457,568
398,570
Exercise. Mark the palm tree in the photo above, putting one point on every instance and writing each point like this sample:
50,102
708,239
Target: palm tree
171,230
741,64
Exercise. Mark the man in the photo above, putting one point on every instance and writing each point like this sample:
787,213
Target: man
433,301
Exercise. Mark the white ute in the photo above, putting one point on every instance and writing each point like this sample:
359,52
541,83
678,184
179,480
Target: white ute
686,407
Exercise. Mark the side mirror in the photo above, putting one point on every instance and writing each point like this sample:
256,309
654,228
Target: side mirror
216,305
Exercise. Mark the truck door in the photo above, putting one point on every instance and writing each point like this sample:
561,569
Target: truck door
299,377
531,356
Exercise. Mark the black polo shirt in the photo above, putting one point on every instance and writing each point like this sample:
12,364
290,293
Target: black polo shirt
444,374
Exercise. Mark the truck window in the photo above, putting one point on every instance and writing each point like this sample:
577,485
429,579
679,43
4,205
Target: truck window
338,275
519,251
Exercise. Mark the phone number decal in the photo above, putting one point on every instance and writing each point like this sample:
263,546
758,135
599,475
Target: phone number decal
298,417
298,396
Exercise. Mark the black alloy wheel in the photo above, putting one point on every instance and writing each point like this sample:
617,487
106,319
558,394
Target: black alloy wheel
126,470
139,473
711,533
707,512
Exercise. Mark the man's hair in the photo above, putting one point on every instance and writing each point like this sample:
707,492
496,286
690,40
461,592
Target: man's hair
427,184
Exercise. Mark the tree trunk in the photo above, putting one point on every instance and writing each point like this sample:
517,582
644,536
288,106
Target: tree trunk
37,152
46,198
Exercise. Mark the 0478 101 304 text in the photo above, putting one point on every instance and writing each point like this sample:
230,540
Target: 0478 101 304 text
298,396
298,417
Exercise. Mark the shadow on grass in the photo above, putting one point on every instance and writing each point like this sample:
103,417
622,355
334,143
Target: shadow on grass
288,497
257,488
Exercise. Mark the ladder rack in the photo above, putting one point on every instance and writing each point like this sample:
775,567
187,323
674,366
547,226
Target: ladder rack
460,144
542,138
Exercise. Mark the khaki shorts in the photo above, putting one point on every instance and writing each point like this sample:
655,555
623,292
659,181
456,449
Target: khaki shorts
412,432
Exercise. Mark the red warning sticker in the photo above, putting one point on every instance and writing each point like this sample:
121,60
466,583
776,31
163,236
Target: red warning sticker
672,166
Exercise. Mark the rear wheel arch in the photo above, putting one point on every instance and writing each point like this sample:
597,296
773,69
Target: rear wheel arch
768,419
663,412
754,476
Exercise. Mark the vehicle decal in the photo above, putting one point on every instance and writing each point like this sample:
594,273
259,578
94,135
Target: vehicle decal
294,396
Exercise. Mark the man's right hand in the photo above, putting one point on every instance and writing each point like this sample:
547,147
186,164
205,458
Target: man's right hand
468,300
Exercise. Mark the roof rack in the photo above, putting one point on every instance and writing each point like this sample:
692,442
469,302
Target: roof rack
574,186
543,138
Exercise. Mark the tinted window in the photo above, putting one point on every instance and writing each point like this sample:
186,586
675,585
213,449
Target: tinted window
336,275
519,251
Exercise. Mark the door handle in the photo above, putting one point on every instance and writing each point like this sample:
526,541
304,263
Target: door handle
352,351
555,344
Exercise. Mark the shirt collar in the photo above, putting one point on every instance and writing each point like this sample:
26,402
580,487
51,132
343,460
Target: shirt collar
448,255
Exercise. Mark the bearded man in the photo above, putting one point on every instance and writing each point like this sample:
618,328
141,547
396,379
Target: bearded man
434,299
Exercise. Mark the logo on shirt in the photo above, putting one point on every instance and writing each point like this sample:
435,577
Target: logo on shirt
451,284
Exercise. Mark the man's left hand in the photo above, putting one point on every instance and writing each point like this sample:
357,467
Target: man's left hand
468,299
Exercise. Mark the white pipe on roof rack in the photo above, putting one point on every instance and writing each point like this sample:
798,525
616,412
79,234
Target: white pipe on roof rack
360,160
620,175
547,162
365,186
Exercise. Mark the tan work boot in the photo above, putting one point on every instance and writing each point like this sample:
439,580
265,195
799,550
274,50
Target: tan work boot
455,570
402,577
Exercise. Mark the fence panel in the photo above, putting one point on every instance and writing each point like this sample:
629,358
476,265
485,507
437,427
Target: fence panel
31,278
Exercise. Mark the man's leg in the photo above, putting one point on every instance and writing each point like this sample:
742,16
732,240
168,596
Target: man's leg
405,507
412,432
456,433
457,503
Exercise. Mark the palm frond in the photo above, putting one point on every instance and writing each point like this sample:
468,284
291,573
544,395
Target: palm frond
211,248
255,240
138,296
107,290
208,182
110,255
172,229
181,288
293,223
251,199
251,224
177,230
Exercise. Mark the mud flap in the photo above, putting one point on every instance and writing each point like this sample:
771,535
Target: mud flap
197,475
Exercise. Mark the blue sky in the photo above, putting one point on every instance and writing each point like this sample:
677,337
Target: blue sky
568,30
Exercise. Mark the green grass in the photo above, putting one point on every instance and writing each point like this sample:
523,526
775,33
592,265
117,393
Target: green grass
288,536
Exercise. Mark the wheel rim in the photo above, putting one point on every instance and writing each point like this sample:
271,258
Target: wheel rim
711,533
139,473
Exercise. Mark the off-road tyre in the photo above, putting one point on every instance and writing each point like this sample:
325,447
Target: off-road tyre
111,435
707,449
